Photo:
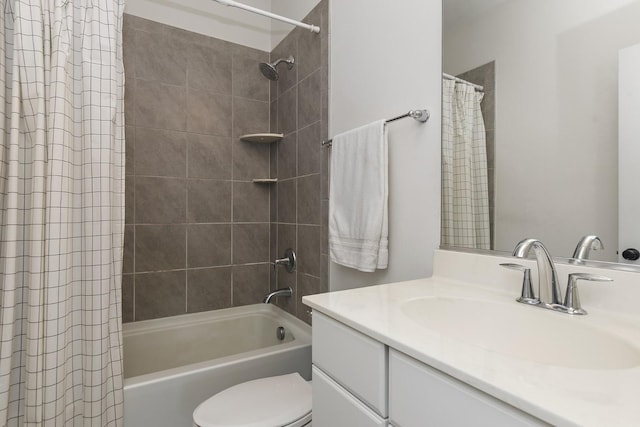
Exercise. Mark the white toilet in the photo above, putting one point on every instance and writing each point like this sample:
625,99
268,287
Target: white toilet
282,401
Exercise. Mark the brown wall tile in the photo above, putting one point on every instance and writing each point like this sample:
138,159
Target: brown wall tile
160,57
160,152
129,199
309,146
208,245
288,78
248,82
309,206
309,102
208,201
249,116
309,249
208,289
128,258
288,111
130,149
287,200
127,297
250,160
160,247
209,156
250,202
209,69
250,243
287,156
250,283
160,294
160,200
160,106
309,47
208,113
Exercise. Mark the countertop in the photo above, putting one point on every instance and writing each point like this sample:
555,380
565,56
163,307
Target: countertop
557,395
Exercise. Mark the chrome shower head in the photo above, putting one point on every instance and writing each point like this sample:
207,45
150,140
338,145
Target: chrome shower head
269,69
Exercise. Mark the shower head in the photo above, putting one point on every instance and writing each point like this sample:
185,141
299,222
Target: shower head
269,69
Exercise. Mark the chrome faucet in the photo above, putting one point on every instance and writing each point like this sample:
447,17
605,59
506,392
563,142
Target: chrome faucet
283,292
547,276
548,279
585,245
290,261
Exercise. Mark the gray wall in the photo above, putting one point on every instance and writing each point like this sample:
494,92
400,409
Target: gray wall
199,235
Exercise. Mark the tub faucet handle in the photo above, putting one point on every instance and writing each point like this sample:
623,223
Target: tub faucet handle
526,296
289,261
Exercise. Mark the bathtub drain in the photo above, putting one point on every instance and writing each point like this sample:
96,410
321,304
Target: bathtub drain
280,333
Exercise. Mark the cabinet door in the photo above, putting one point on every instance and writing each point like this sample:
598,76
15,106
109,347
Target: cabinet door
354,360
333,406
420,396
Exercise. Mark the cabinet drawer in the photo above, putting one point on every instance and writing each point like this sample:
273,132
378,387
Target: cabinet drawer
355,361
333,406
421,396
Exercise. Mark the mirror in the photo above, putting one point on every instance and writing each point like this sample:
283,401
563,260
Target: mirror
550,75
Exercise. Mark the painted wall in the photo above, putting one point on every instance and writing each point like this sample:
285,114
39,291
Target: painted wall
294,9
209,18
227,23
569,117
383,64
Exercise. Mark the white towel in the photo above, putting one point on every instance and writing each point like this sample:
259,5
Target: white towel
358,198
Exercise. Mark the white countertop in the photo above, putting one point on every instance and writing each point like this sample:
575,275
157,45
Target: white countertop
557,395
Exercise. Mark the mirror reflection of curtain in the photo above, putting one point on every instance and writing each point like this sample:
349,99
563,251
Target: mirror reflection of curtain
465,193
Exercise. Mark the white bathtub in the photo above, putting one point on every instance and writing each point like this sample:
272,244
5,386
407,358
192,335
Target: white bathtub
173,364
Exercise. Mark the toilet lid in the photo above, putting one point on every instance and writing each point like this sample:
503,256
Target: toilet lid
266,402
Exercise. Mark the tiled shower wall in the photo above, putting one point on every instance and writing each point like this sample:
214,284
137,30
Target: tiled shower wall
197,229
299,202
485,75
199,235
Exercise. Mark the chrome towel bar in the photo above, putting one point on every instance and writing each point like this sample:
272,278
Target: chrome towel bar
419,115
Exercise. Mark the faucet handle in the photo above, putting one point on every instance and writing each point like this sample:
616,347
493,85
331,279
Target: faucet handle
571,299
289,261
526,296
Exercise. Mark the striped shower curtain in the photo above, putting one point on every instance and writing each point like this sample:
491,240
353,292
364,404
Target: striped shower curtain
465,191
62,212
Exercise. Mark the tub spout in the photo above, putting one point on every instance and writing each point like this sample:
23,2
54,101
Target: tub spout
283,292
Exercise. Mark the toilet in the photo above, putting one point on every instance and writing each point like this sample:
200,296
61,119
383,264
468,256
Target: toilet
282,401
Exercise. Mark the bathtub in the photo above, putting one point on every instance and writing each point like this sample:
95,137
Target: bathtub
173,364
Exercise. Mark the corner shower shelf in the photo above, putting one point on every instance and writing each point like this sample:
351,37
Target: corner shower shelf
265,180
262,138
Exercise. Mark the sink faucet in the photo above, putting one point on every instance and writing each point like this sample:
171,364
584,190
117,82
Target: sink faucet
548,288
548,279
283,292
585,245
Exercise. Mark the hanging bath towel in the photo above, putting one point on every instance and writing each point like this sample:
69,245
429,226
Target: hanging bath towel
358,198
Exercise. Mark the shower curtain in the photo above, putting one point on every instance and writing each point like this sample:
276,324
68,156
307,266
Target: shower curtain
465,193
62,212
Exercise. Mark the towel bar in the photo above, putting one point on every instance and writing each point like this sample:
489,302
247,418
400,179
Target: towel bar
419,115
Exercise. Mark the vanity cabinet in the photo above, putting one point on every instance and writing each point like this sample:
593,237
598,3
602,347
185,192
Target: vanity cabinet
420,395
334,406
360,382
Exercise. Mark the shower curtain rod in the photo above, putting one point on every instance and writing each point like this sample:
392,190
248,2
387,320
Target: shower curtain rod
459,80
232,3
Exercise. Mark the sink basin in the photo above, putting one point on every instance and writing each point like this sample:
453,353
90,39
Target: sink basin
527,333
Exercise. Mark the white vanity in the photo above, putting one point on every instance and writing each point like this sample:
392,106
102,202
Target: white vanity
457,350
